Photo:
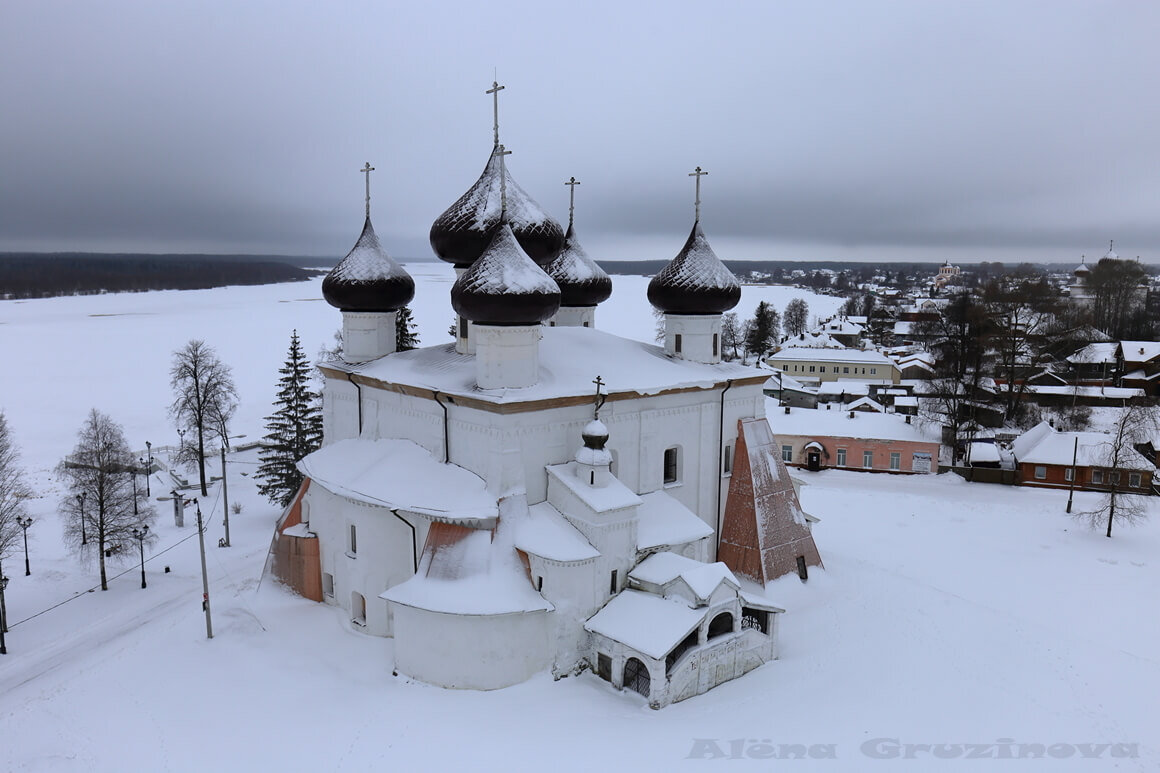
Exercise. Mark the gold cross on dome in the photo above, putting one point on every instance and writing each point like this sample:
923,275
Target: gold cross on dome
698,174
367,171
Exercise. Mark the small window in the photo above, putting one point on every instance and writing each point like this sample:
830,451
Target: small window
1040,473
714,344
539,584
353,540
727,464
787,453
873,371
462,327
1097,476
328,584
604,666
1134,479
821,368
811,369
612,582
895,460
1069,474
867,459
845,370
585,323
841,457
671,464
803,572
677,343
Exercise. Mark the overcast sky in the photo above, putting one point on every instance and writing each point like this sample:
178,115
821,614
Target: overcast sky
862,130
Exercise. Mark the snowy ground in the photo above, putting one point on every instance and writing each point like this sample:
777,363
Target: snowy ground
948,613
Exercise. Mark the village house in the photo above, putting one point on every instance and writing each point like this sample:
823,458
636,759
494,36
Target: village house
848,438
1050,458
821,365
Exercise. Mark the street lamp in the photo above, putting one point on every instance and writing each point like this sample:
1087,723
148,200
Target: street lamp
133,476
225,490
139,535
149,468
24,523
3,623
81,501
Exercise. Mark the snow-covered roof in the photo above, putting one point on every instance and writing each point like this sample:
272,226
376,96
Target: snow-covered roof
1140,351
859,356
817,422
602,499
1097,392
864,404
983,452
1042,444
905,401
844,386
569,356
649,624
547,534
1094,354
695,281
663,521
662,568
781,379
400,475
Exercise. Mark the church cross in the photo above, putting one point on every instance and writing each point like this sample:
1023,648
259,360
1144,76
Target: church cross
572,183
367,171
698,174
501,151
599,382
1111,243
494,91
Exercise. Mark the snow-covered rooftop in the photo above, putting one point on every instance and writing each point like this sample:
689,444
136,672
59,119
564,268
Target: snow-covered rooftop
1140,351
569,359
545,533
1042,444
859,356
663,521
1094,354
401,475
649,624
818,422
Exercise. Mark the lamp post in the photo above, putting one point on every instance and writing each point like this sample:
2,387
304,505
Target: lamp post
3,623
204,575
133,477
139,535
225,489
81,501
149,466
24,523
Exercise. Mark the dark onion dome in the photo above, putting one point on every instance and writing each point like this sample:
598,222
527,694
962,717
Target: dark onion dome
504,287
595,435
695,282
582,282
460,234
367,279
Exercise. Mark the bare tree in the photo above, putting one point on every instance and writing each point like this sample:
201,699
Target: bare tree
1121,504
796,317
103,505
205,397
730,336
13,492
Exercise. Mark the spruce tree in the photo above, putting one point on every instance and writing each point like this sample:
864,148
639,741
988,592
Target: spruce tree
293,431
406,331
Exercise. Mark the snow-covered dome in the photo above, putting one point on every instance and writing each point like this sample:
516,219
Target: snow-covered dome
593,452
505,287
1082,270
582,282
696,281
368,279
460,234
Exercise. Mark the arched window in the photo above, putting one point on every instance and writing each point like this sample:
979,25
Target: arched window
721,625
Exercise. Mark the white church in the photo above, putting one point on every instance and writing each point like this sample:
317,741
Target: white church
540,495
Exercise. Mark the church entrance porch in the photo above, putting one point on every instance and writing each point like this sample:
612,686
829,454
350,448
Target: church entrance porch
636,677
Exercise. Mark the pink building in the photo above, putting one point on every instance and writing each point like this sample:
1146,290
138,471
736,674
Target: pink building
854,440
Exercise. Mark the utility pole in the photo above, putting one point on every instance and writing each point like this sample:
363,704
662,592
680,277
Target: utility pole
1074,458
204,576
225,499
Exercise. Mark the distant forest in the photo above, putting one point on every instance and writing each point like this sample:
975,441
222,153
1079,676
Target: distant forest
45,275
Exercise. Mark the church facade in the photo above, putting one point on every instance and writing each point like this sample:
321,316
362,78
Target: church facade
541,495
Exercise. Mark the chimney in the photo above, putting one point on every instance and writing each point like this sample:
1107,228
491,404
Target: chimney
851,414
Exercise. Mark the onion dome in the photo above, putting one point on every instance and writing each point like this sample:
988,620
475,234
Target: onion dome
504,287
460,235
368,279
582,282
695,282
1082,270
593,452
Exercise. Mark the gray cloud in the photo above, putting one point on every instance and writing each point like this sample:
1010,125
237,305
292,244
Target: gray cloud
850,129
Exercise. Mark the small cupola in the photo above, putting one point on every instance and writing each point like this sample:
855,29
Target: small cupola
693,291
369,287
583,284
593,460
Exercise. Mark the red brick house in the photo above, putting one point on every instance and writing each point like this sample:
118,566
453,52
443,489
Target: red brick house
1044,457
